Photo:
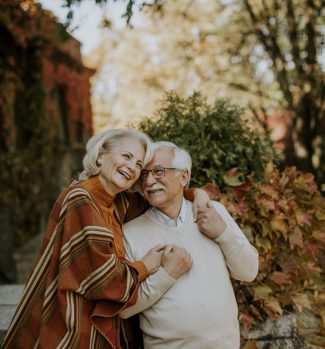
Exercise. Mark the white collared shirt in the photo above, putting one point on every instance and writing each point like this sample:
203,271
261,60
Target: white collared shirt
153,211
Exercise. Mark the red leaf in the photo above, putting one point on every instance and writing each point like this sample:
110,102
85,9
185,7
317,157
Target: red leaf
269,190
250,344
274,305
296,239
240,191
278,223
246,320
301,301
212,190
280,278
290,267
266,203
303,218
233,177
319,235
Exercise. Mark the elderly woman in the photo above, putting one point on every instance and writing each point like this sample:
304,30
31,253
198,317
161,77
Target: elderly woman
81,280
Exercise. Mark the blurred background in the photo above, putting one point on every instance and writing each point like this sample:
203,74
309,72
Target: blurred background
239,83
72,67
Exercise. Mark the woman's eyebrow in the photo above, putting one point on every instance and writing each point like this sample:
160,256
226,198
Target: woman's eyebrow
130,153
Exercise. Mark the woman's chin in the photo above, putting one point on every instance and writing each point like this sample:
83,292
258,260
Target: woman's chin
125,185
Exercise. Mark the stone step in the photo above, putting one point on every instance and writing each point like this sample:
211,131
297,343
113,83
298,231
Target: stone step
9,298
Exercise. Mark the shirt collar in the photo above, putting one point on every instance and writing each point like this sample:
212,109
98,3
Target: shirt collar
153,211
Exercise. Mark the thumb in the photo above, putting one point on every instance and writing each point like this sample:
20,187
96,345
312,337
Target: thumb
209,205
195,213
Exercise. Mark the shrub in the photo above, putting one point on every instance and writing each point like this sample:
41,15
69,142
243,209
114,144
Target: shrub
281,212
216,136
284,217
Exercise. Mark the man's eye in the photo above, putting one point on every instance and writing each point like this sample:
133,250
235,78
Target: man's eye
159,172
139,166
126,156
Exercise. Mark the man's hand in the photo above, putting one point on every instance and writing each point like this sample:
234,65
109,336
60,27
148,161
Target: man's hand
201,199
210,222
176,261
152,259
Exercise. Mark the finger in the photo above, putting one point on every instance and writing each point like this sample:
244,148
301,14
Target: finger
168,249
202,216
194,208
158,248
203,208
209,204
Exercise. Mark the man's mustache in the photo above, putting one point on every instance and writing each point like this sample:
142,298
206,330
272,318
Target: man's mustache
155,186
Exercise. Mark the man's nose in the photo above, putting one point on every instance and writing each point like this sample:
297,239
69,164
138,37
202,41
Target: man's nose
150,179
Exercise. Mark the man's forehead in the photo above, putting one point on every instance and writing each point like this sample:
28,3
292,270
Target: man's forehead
161,157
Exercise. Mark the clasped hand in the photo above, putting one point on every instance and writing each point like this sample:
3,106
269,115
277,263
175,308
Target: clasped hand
174,259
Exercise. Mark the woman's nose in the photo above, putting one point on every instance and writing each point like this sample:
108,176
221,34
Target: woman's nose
132,166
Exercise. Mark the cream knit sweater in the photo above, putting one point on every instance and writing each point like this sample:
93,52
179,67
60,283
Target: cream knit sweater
199,310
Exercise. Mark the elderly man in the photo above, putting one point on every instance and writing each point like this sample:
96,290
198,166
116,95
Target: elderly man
189,303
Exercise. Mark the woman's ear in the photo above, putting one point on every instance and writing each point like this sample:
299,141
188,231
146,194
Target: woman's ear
99,160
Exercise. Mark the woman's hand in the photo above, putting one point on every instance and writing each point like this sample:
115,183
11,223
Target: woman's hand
152,259
201,199
176,261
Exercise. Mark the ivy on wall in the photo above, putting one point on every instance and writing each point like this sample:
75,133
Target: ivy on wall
45,113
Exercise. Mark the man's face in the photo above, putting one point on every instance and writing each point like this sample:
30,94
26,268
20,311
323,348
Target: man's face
164,193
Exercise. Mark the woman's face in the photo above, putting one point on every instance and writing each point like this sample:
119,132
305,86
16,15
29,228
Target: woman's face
121,166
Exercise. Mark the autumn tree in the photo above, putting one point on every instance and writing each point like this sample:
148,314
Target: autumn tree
279,43
287,35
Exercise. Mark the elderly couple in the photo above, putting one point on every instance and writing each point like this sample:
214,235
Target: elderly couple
171,265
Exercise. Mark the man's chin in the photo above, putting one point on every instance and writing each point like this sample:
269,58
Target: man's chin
154,199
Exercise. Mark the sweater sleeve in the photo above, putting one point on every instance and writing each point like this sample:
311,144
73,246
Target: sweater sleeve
150,290
241,257
88,265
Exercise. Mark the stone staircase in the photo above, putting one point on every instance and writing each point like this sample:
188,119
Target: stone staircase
9,297
10,294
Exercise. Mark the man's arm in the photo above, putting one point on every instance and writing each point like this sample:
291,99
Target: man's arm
175,262
241,257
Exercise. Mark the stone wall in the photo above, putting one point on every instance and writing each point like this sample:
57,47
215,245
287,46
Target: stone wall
45,121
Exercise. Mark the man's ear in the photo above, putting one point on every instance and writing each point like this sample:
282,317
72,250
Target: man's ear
184,179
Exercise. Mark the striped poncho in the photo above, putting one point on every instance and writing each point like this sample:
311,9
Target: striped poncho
79,283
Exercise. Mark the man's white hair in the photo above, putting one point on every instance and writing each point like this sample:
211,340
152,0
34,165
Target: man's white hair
181,158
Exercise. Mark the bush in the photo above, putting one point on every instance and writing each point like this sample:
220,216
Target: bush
281,212
216,136
284,217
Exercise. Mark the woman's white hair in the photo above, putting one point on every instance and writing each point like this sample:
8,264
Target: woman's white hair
181,158
106,140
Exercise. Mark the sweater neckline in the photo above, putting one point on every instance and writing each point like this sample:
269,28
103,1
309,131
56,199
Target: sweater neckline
96,189
188,218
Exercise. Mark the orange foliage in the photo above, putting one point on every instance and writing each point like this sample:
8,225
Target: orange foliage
284,217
